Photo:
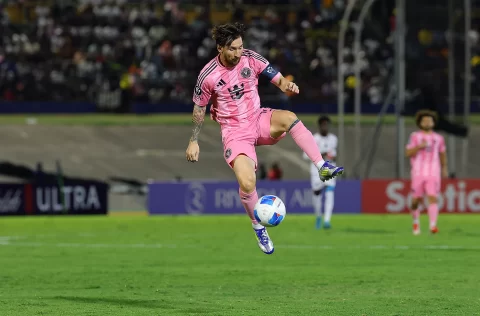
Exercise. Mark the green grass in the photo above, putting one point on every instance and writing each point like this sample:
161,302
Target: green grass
366,265
164,119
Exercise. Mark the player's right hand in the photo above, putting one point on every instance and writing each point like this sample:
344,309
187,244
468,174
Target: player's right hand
193,150
423,145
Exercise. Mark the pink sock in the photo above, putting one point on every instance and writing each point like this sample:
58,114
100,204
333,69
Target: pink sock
433,214
304,139
416,216
248,201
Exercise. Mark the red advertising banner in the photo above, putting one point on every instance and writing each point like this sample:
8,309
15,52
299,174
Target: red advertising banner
393,196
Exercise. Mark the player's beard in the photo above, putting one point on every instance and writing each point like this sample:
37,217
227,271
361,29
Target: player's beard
233,62
427,129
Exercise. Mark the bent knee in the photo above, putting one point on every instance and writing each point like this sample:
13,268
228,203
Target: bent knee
247,182
415,203
285,120
432,199
290,120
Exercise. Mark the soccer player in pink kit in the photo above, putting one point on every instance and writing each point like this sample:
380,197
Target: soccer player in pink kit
428,160
230,82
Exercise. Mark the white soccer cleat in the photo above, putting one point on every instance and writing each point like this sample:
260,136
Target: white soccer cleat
264,241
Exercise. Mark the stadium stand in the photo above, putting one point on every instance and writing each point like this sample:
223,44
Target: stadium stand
152,51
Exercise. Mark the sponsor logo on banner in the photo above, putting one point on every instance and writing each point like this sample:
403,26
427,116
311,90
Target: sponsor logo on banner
11,200
195,198
394,196
75,198
208,197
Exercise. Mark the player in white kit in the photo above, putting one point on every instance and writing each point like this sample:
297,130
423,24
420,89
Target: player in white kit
327,143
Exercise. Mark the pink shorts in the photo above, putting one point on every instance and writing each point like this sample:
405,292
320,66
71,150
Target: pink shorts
244,139
429,186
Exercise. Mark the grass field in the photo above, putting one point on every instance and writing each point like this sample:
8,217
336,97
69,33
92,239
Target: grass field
366,265
165,119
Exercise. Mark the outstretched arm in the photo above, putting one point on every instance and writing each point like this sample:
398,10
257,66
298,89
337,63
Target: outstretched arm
198,118
263,67
286,85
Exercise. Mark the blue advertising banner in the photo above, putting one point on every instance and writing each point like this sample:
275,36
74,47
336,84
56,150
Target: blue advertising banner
221,197
178,107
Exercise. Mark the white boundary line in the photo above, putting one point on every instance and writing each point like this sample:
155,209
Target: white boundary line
8,242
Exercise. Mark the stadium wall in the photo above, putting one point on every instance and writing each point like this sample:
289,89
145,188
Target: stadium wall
351,196
15,107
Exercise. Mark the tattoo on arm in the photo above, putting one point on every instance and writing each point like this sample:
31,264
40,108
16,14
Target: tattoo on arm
197,119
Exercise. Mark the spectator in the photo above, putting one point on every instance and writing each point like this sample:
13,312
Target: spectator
261,172
152,53
275,172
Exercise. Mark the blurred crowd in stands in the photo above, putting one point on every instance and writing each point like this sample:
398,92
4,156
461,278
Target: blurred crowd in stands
152,51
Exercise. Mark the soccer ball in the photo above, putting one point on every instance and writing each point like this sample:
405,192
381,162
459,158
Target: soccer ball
270,210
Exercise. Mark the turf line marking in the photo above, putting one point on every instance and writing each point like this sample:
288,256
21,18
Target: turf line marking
9,242
82,245
383,247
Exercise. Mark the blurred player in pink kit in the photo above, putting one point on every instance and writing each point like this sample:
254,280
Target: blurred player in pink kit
428,160
229,81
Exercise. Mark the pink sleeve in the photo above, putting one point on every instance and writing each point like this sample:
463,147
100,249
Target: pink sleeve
442,148
202,91
412,142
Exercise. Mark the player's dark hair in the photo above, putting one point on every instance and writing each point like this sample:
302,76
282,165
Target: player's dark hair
322,119
422,113
225,34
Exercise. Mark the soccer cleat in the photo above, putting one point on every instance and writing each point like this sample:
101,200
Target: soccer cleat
329,171
318,223
327,225
264,241
416,229
434,230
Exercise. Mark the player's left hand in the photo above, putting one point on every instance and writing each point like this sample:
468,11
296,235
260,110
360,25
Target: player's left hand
292,87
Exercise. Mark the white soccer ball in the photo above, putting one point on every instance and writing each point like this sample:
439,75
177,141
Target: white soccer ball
270,210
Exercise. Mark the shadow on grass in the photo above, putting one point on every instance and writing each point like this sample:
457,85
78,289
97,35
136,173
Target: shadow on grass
125,302
118,301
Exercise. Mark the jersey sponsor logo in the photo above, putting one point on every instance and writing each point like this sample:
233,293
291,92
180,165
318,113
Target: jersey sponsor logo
246,72
237,91
220,83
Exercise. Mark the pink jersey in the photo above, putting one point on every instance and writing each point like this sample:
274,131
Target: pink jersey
426,163
233,91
